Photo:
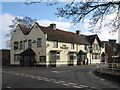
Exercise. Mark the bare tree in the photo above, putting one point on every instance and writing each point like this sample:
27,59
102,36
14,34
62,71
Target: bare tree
17,20
96,11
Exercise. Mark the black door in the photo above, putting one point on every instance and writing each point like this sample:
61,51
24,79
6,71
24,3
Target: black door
53,59
27,61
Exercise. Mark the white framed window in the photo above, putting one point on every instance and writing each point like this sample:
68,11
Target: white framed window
58,55
29,43
16,45
85,47
96,47
95,56
17,57
39,42
72,56
21,45
55,44
55,55
42,58
72,46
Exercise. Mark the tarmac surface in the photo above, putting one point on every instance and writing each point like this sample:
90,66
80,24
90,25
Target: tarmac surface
80,77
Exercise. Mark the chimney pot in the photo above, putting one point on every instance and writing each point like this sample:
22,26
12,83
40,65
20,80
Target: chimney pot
112,40
53,26
78,32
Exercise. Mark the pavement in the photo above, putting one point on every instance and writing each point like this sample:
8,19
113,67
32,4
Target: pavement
110,71
63,77
113,75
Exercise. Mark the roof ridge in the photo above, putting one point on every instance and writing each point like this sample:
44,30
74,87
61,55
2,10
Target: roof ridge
24,29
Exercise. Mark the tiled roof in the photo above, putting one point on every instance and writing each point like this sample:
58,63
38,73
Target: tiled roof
109,48
29,51
24,29
63,36
91,39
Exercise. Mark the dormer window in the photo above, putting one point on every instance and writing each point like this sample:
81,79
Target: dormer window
15,45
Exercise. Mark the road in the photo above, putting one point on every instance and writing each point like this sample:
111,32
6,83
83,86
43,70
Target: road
54,77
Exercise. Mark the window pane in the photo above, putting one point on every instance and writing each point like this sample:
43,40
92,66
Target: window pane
21,45
85,47
72,56
17,57
15,45
55,55
55,44
39,44
58,55
42,58
72,46
29,44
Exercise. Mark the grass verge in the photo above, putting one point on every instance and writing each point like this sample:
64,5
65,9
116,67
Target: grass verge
108,75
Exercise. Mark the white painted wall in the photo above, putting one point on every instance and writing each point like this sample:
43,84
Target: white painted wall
36,33
64,56
18,36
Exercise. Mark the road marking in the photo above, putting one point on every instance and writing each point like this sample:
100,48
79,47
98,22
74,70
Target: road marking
14,72
62,81
47,80
27,75
71,84
93,87
22,75
77,86
39,79
9,72
53,80
83,86
102,79
56,82
55,71
8,87
33,77
17,74
65,84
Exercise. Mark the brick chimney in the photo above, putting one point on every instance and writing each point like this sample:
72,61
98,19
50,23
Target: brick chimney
53,26
112,40
78,32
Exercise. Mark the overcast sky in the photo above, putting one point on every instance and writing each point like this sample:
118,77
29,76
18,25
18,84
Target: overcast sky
44,15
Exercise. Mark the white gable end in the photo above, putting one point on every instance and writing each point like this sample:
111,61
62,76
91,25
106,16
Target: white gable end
18,34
